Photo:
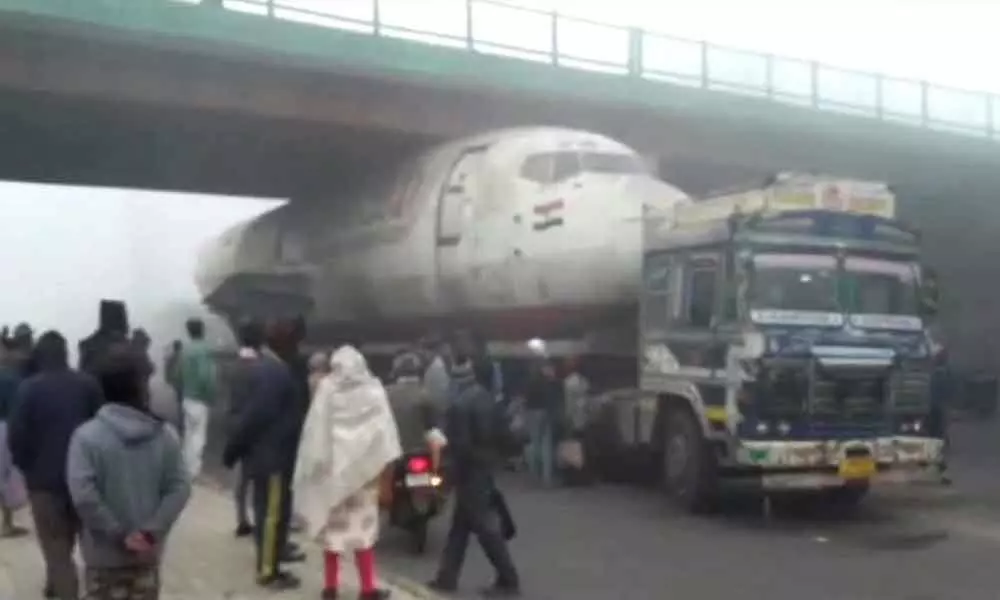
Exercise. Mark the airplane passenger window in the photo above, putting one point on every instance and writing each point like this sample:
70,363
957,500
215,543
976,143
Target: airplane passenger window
567,165
538,167
608,162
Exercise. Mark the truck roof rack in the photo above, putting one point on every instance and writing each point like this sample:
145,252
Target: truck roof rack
794,192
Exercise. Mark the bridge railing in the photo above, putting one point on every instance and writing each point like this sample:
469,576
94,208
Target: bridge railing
500,28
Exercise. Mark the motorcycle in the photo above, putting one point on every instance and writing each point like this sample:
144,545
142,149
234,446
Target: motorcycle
418,495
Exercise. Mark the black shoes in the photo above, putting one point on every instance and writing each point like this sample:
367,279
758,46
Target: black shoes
291,553
243,530
280,582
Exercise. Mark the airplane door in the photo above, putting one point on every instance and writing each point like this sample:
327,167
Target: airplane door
456,240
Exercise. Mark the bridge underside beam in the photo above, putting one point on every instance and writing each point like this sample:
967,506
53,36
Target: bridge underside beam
165,75
54,139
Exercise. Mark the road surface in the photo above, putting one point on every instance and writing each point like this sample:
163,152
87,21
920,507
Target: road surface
623,543
626,543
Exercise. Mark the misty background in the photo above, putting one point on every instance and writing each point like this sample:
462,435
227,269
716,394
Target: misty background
66,248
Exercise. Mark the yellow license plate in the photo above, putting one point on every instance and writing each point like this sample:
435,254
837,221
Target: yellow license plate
853,469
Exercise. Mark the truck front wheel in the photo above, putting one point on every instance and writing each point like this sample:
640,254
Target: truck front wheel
689,466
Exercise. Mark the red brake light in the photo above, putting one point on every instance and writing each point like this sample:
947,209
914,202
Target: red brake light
418,464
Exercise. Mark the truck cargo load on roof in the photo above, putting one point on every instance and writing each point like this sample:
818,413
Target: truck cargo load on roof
793,192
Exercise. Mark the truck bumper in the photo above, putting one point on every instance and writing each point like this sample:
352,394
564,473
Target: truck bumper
810,465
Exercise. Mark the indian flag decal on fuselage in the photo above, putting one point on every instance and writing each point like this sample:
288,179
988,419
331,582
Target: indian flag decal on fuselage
548,215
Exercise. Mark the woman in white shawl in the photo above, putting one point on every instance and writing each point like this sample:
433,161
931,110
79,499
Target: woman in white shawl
348,439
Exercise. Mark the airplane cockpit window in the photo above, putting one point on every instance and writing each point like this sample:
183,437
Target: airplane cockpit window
538,167
567,165
611,163
555,167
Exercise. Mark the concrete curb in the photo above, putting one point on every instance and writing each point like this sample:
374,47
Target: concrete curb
407,587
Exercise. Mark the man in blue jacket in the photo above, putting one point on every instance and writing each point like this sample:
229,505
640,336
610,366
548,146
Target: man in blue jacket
50,405
264,440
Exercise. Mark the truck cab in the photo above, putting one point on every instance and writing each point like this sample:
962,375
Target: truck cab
783,343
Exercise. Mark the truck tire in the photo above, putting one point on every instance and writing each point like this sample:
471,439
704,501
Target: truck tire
689,466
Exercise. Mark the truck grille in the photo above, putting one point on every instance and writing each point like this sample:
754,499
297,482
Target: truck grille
841,397
910,392
847,397
781,389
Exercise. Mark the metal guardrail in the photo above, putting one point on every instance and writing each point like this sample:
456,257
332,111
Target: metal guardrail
499,28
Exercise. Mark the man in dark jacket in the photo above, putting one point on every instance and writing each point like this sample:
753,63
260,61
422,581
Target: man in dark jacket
263,439
287,343
543,399
112,327
251,337
475,441
50,406
141,343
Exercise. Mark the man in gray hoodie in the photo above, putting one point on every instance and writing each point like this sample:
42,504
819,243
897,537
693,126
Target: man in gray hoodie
128,482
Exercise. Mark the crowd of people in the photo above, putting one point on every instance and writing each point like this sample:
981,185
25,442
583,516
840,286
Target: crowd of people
103,463
322,435
83,450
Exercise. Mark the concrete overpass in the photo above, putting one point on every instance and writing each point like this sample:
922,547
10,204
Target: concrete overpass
160,94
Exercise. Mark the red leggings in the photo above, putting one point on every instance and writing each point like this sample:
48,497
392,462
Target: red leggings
366,569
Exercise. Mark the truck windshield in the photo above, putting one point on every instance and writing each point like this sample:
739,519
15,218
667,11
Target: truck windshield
796,282
813,283
879,287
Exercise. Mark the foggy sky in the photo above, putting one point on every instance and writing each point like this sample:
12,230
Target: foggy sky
948,42
68,247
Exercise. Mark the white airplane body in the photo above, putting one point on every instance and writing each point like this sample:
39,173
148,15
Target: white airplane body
515,233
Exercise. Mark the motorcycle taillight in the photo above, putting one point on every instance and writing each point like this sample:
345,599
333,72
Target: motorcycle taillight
418,464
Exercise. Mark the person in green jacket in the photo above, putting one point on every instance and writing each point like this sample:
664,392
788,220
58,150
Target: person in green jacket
197,382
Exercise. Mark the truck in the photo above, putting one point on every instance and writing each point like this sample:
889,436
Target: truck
783,346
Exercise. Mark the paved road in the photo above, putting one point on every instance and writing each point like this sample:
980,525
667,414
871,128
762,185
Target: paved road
626,543
204,561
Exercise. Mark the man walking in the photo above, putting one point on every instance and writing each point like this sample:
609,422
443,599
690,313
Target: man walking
476,442
50,406
197,379
126,475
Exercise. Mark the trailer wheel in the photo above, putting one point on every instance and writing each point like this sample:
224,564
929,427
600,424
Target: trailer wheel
689,466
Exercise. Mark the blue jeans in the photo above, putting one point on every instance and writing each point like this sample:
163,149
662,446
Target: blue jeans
541,445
